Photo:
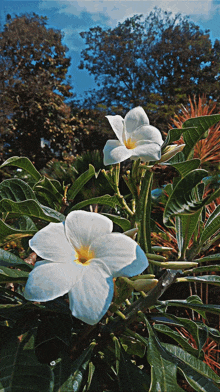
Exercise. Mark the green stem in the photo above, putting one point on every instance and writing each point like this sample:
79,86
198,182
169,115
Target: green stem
143,212
123,202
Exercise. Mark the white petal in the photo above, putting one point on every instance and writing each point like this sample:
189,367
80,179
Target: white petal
117,124
91,296
135,118
83,227
51,280
122,255
115,152
148,133
147,151
51,243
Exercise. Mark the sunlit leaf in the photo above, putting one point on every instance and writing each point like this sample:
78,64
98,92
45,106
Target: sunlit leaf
23,163
16,190
107,200
31,208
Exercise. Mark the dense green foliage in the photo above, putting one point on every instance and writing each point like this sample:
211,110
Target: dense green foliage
44,348
156,334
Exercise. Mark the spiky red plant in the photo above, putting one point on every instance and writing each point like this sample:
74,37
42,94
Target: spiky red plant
208,149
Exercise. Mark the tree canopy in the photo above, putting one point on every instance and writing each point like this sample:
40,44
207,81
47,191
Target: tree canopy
156,62
33,87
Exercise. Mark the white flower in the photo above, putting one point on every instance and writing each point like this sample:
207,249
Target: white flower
136,138
82,256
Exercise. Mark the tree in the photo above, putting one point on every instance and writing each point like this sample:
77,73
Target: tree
33,87
157,62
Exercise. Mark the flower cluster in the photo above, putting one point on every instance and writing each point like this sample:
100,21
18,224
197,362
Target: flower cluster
81,258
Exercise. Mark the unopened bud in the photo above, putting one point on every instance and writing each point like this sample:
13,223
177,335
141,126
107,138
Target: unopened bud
161,248
132,232
171,151
144,284
175,265
146,276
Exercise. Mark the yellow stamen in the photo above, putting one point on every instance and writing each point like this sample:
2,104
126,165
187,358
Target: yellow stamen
84,255
130,144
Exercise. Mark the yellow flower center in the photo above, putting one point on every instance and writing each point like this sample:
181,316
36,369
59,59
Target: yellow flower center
84,255
130,144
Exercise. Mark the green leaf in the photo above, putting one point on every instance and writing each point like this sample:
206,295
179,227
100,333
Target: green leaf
186,167
122,222
16,190
9,275
209,279
130,377
107,200
198,374
213,196
69,375
133,346
182,201
163,368
200,335
17,197
8,258
175,134
20,370
31,208
177,337
8,233
25,164
195,305
209,258
185,228
212,225
49,191
206,268
80,182
200,125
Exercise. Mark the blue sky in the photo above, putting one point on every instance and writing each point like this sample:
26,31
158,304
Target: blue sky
72,17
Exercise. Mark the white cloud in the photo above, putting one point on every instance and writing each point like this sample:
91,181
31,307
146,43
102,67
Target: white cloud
119,10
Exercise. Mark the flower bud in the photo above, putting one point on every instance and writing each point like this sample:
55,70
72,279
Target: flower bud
175,265
161,248
144,284
147,276
170,151
132,232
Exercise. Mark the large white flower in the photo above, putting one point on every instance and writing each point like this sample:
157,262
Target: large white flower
136,138
82,256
